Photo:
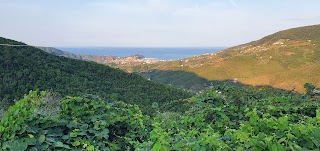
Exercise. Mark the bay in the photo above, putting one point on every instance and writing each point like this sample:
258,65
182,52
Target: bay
164,53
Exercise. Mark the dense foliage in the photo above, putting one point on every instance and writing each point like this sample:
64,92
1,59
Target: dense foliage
180,79
28,68
10,42
83,123
223,118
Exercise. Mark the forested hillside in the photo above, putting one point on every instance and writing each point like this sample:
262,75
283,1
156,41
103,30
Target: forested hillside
27,68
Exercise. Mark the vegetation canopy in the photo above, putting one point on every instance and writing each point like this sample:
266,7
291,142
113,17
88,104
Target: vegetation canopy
223,118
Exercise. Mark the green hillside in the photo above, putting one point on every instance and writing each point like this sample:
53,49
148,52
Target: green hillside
105,107
180,79
27,68
300,33
286,59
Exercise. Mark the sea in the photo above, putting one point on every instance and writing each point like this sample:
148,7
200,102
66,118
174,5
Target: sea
151,52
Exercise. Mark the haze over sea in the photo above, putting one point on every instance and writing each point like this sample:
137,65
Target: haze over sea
149,52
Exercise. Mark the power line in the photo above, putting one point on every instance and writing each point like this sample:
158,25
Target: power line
10,45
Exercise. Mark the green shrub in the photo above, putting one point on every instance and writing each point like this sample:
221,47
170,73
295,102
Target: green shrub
83,123
224,118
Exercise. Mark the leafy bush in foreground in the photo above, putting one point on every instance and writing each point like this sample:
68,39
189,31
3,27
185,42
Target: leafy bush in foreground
84,123
224,118
217,122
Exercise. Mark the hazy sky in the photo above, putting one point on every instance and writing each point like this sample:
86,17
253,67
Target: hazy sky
164,23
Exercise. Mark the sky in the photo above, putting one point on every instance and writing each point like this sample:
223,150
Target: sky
151,23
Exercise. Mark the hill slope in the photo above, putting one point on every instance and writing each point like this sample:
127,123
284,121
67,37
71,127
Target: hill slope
27,68
180,79
58,52
286,59
113,61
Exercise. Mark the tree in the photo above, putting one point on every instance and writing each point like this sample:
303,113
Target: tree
311,90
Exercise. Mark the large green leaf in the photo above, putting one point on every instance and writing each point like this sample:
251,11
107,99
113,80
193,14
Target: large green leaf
156,146
58,144
42,138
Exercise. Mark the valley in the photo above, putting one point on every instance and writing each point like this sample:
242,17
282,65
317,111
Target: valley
159,75
286,60
263,95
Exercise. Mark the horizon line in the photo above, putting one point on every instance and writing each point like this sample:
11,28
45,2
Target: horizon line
140,46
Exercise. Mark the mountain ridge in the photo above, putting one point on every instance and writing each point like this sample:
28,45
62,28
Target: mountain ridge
286,59
59,52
